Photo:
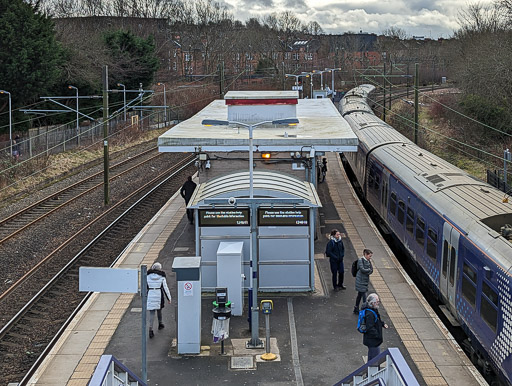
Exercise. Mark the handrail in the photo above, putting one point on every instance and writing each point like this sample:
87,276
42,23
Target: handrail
104,367
398,360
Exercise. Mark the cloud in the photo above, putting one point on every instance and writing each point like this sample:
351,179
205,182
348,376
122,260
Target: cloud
433,18
296,6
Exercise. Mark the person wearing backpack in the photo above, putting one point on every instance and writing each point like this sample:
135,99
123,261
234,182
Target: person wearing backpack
372,338
364,270
335,250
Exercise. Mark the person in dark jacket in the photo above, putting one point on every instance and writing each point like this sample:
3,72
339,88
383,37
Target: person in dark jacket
335,250
324,168
372,338
186,192
364,270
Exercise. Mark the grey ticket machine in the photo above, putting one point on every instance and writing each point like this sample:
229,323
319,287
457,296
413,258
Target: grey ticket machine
188,276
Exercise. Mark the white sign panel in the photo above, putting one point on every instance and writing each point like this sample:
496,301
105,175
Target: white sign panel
188,289
297,88
124,280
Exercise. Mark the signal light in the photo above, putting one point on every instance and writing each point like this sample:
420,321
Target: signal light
265,155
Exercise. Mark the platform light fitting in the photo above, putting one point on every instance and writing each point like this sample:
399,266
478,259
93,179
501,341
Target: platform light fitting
265,155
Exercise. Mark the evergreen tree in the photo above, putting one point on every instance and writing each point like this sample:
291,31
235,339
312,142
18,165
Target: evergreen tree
134,58
30,57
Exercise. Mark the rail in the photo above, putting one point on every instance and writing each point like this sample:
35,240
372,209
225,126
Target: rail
9,325
388,368
110,371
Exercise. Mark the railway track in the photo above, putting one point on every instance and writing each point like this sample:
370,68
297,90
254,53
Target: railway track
40,313
34,213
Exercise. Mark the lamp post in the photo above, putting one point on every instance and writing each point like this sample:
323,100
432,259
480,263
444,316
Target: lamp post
332,77
77,118
165,101
310,75
10,117
255,342
297,76
321,72
124,99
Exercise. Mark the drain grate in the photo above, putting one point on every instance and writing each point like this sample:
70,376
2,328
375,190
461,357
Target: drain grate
181,249
242,363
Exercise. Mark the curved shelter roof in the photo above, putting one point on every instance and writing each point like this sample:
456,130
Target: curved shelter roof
266,184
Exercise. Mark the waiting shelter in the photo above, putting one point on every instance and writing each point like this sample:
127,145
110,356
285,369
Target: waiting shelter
276,228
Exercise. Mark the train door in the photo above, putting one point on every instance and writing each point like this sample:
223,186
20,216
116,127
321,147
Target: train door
449,257
385,194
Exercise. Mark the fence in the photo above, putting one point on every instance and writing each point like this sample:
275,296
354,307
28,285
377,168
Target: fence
494,178
55,139
389,368
110,371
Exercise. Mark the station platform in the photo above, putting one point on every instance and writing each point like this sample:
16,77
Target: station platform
314,334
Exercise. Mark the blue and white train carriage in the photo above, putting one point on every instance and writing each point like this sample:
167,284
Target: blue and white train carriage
454,226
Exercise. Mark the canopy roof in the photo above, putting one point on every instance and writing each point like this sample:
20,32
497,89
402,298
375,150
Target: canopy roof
266,184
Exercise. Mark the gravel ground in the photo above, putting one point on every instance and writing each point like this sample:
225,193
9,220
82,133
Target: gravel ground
22,200
22,347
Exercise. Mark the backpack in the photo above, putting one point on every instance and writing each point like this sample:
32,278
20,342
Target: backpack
354,268
361,322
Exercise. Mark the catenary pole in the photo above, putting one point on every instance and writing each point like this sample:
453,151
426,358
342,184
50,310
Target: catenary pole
416,101
384,96
106,188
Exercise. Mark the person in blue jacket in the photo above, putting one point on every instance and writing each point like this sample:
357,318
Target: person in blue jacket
335,250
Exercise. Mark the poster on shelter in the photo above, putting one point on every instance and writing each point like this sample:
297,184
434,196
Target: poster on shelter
222,217
283,216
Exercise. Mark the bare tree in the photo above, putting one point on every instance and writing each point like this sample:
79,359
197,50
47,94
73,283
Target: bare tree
313,28
395,33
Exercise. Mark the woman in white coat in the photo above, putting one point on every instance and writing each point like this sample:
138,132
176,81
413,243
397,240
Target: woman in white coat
157,288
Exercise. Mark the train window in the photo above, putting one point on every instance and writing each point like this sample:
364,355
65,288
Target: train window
469,284
392,204
445,258
470,272
420,231
409,222
370,179
432,244
401,211
489,306
432,234
452,265
377,182
490,293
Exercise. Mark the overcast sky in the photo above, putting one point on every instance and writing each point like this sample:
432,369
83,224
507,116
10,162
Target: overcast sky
429,18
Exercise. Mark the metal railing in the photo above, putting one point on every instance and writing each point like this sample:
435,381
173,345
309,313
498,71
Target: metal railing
110,371
388,368
495,179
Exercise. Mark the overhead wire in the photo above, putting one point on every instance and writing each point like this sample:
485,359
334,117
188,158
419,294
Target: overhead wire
441,134
100,140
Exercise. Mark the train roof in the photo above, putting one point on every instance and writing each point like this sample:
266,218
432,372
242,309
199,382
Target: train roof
473,205
364,124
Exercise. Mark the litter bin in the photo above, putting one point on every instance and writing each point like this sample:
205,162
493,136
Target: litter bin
221,316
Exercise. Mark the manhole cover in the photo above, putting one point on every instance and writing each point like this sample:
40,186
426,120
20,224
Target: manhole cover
242,363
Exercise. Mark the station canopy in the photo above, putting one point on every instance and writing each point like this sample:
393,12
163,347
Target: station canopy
320,126
266,184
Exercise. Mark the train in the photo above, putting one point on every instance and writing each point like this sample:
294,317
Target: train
455,228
